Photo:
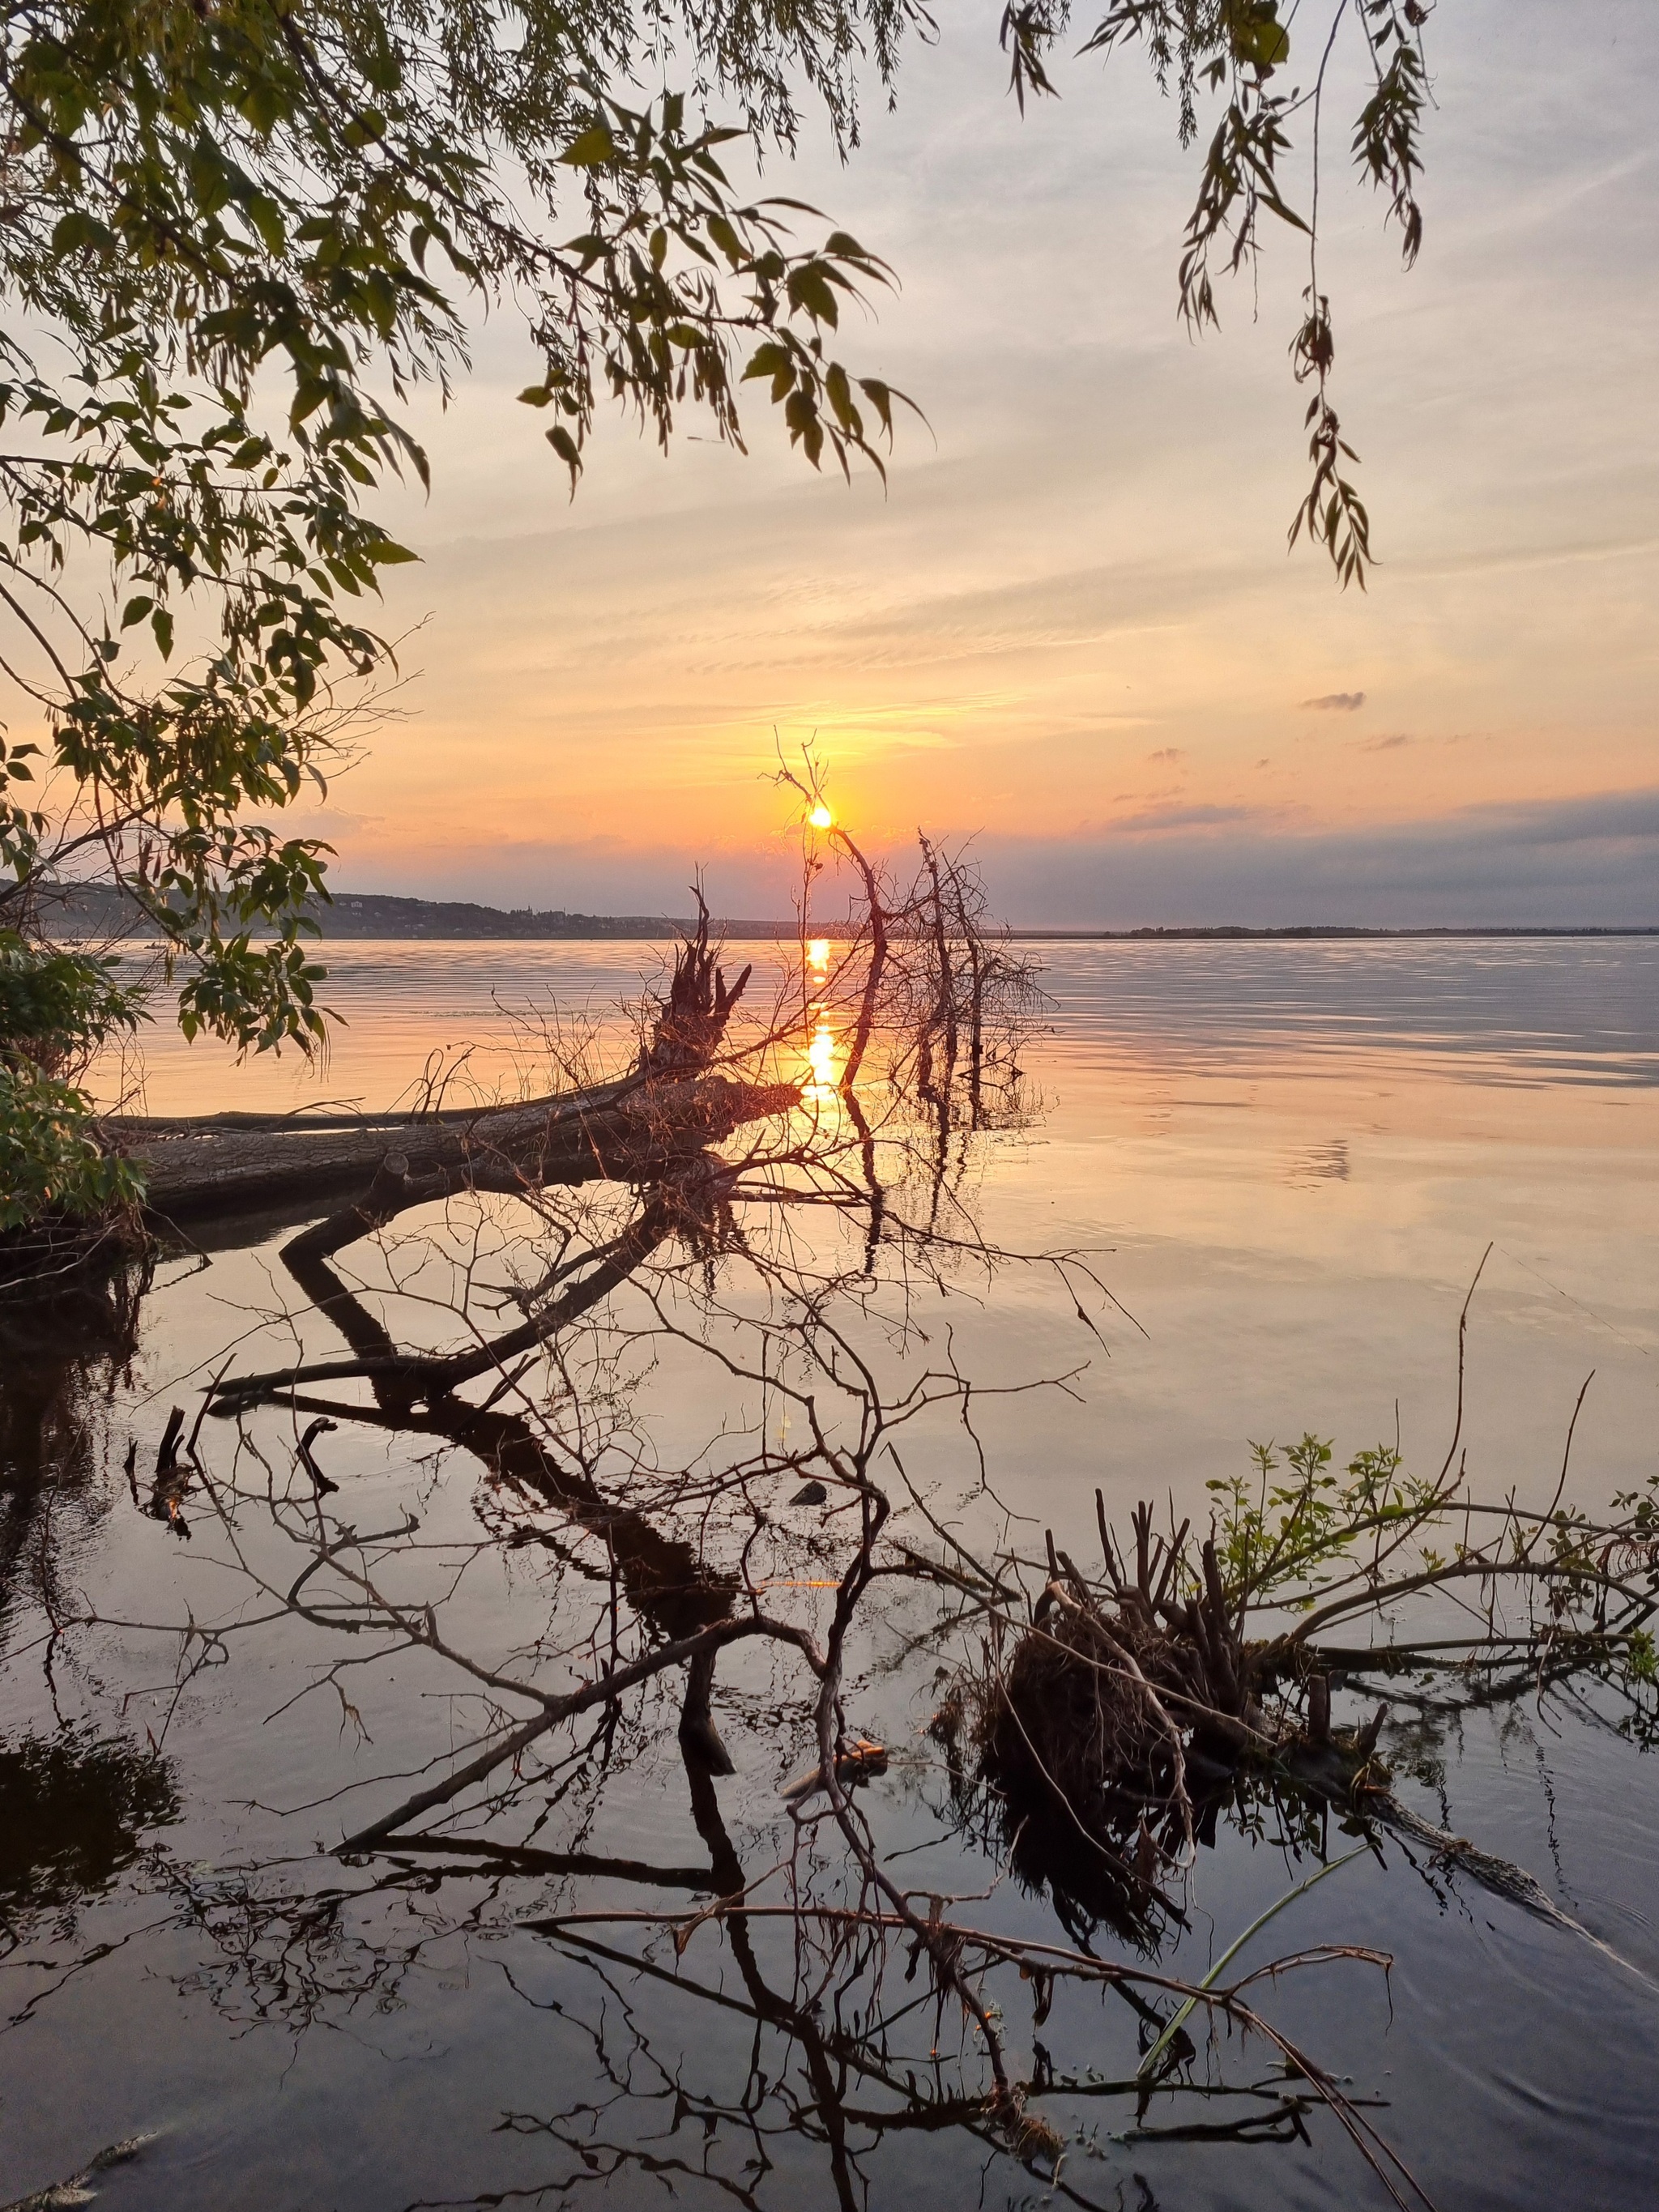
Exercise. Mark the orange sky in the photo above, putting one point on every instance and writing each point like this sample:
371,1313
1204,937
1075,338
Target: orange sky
1070,627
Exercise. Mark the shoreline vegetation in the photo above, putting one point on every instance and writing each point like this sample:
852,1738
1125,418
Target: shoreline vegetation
96,911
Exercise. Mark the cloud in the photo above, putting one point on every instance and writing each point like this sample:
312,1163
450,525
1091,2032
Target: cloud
1337,702
1593,860
1168,753
1159,820
1388,744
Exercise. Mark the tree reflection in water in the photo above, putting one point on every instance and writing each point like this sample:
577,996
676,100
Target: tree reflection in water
65,1349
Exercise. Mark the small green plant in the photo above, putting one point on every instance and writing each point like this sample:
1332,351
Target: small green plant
1537,1594
1641,1657
1281,1541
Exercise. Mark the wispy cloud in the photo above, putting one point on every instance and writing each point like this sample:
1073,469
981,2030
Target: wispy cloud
1336,702
1164,818
1168,754
1390,743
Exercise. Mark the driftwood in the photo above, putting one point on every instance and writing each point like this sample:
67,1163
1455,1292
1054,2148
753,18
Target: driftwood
234,1162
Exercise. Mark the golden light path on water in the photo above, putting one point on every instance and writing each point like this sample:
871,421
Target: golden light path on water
823,1057
824,1053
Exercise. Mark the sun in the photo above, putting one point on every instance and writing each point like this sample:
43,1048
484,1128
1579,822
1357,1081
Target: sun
820,818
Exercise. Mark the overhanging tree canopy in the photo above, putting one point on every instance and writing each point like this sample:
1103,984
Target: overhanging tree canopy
235,238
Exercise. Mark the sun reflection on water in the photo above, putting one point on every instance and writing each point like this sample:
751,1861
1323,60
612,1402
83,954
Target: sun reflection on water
822,1056
823,1052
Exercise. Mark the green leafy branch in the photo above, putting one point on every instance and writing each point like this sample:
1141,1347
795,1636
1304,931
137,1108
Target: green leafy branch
1234,49
230,222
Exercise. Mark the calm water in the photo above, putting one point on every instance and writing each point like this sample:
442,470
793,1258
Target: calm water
1286,1163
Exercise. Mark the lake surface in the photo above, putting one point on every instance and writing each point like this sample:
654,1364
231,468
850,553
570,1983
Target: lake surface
1284,1162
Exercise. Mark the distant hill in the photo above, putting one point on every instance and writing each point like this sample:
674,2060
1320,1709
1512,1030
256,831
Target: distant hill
371,914
96,910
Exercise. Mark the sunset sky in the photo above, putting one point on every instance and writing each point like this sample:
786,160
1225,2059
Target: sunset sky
1070,628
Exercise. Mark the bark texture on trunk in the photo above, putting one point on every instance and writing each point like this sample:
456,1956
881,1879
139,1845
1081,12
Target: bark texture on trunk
228,1162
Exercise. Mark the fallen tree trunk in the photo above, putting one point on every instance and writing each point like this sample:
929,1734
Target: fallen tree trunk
667,1107
227,1163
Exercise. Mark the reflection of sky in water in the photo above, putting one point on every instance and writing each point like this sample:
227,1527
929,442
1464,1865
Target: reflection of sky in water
1538,1009
1285,1161
1284,1127
1295,1154
1295,1151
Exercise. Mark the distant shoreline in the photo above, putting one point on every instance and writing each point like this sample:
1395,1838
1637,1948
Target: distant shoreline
96,911
1322,931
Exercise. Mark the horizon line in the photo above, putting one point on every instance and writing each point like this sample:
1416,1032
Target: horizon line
342,905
